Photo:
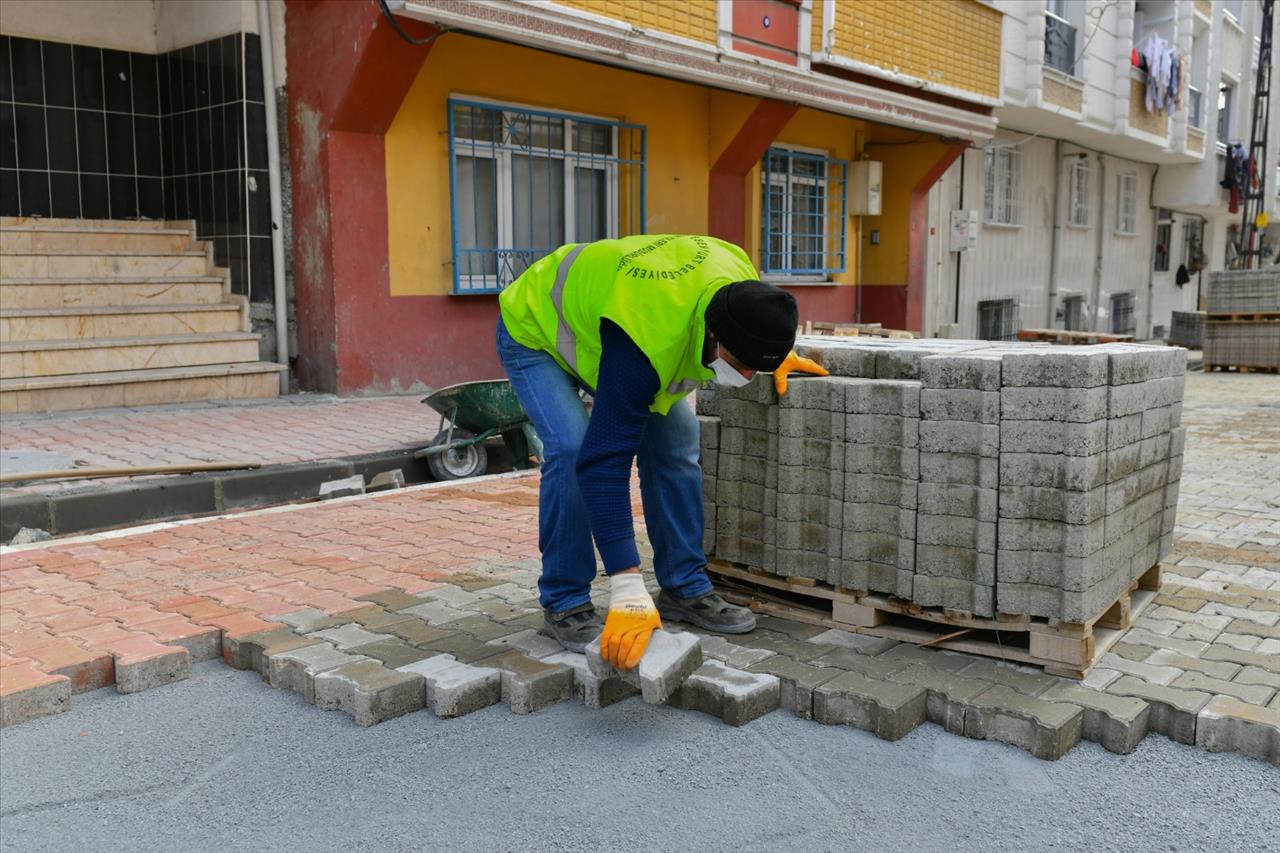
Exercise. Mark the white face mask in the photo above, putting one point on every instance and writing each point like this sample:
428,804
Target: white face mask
727,375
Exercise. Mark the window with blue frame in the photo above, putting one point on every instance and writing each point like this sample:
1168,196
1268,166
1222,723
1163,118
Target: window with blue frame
524,182
803,213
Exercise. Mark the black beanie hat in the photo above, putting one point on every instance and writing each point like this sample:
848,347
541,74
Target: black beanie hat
754,321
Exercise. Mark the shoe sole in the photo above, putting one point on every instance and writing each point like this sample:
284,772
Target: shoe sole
576,648
688,616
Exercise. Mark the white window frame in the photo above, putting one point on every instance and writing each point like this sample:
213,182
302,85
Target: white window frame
1079,194
1060,10
1001,169
504,176
1127,204
1226,112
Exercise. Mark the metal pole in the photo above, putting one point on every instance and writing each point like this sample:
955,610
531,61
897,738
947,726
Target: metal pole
273,179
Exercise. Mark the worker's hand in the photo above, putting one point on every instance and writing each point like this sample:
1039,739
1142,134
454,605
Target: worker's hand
632,619
795,364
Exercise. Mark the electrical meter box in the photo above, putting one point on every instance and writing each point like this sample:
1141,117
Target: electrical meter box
864,187
964,230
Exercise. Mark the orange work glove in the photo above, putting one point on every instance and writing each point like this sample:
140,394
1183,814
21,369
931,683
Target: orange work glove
795,364
631,621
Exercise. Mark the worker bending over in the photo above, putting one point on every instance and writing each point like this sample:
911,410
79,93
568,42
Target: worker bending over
638,322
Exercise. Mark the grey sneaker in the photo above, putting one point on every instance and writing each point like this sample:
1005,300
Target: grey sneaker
709,612
574,628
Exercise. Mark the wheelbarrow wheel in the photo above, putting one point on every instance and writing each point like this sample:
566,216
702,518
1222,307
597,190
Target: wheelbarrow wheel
457,463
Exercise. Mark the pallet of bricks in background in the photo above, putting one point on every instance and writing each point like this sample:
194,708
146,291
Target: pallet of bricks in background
1187,329
1245,341
1063,336
1062,648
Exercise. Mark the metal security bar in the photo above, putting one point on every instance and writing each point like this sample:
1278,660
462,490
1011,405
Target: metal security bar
523,182
1122,314
803,217
998,320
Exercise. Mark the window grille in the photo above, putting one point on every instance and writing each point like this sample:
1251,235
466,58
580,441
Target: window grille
1000,199
1122,314
1073,313
1193,243
998,320
1164,239
1079,205
1059,38
1127,203
524,182
803,216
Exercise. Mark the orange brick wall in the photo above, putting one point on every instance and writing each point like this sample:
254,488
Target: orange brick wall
953,43
692,19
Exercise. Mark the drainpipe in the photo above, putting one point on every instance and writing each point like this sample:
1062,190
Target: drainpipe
1151,266
273,179
1102,229
1055,254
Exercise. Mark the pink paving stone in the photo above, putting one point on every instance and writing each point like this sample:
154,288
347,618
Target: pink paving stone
72,620
141,663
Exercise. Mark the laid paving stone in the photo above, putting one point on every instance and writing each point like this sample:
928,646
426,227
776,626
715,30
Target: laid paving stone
796,682
887,709
593,691
415,632
530,685
1254,694
1028,683
468,582
455,595
452,689
1217,669
715,647
735,696
910,653
789,627
345,637
296,669
464,648
531,643
393,653
498,610
1243,626
1257,675
392,599
1117,723
1244,642
510,593
250,651
482,628
796,649
1271,663
1099,677
1226,724
368,691
309,619
435,613
855,661
1161,675
1173,710
27,694
667,661
1048,730
849,640
947,695
143,664
379,619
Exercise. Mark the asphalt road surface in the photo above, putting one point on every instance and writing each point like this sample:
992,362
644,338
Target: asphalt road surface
224,763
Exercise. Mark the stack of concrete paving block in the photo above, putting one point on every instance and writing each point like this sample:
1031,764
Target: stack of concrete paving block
1252,340
1243,291
1187,329
970,475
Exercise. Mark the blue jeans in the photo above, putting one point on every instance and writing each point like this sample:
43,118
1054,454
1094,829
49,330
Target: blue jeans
670,484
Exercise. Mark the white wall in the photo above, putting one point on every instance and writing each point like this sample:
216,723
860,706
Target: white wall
118,24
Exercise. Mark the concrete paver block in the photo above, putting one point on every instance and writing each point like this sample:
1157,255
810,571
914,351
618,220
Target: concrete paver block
348,636
391,599
668,660
529,685
592,690
1027,683
530,642
1226,724
435,613
347,486
718,648
26,694
887,709
796,682
296,669
1173,710
1254,694
948,695
453,689
858,642
735,696
245,651
393,479
1117,723
393,653
142,665
368,691
1048,730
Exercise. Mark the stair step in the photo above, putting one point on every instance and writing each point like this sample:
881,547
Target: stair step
24,359
105,264
120,321
94,291
99,242
149,387
126,226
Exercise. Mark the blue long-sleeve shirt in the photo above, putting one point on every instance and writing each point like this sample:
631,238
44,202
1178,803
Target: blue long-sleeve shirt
626,386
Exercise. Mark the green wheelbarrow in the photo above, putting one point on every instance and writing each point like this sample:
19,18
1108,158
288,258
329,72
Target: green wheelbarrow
474,412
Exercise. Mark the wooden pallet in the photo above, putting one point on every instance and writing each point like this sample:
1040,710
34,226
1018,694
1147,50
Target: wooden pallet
1062,336
1243,317
1062,648
853,330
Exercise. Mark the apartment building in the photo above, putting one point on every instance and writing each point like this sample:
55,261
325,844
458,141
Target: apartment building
1096,207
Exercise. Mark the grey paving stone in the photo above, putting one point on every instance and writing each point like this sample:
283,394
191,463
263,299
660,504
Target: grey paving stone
1117,723
908,653
801,650
796,682
416,632
345,487
464,648
246,652
308,619
731,654
530,685
948,695
393,653
854,661
668,660
1027,683
297,669
859,642
1254,694
1173,710
454,596
735,696
1226,724
1271,663
391,599
453,689
1048,730
1257,675
592,690
348,636
888,710
368,691
530,642
1217,669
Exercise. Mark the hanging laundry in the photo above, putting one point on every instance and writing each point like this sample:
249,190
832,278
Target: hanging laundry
1155,51
1172,91
1182,276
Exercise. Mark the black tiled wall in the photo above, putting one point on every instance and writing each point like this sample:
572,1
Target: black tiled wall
104,134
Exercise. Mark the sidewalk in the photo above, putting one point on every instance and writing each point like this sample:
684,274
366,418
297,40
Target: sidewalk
277,431
451,568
